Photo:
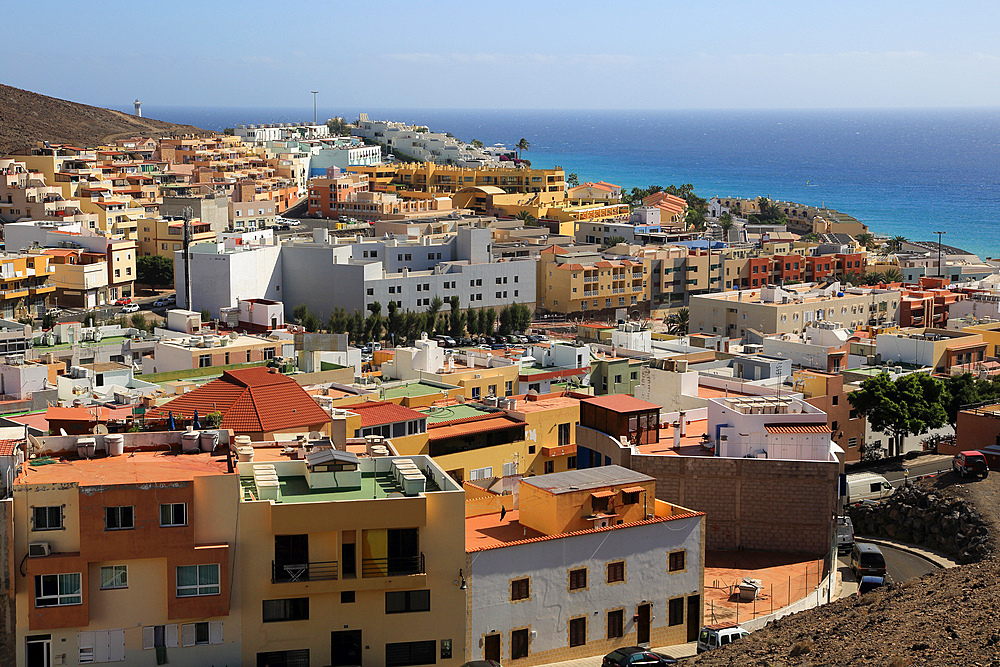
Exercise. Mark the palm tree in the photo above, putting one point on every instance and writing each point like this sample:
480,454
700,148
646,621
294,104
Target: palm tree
726,222
895,244
528,219
892,276
866,240
677,323
522,145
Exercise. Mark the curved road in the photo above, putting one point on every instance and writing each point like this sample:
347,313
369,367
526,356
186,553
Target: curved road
900,566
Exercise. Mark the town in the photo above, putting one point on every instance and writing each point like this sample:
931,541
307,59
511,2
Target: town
363,393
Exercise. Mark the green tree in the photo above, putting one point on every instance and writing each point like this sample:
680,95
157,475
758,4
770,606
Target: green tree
432,314
506,321
476,143
490,318
726,223
528,218
866,240
155,271
677,323
910,405
338,127
356,332
337,322
49,320
612,241
892,276
229,131
522,145
139,322
471,322
572,180
769,213
456,319
299,312
374,324
206,315
393,322
522,317
895,244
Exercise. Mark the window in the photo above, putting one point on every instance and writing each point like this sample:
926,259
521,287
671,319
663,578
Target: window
563,434
401,654
173,514
481,473
398,602
549,467
675,561
577,631
571,463
616,624
288,609
47,518
618,379
834,426
630,497
519,644
193,634
57,590
475,392
578,579
198,580
852,442
616,571
101,646
296,658
520,589
119,518
204,360
114,576
675,611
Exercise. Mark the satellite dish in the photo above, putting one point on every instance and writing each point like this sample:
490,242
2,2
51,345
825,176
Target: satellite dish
33,444
100,429
460,398
62,431
233,335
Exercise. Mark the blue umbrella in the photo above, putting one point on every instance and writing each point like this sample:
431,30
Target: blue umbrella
195,423
170,421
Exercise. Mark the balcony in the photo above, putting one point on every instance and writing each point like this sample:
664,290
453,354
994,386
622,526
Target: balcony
15,293
291,572
42,289
391,567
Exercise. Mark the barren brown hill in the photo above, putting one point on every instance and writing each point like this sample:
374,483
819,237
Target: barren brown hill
27,118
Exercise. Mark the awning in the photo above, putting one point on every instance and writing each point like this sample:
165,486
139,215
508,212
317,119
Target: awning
603,494
633,489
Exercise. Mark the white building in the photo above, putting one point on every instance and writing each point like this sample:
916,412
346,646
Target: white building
562,578
769,427
424,146
820,345
343,157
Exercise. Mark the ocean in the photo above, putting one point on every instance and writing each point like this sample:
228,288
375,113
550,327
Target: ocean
902,172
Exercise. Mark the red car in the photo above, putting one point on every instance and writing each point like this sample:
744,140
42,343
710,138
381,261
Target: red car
124,301
970,462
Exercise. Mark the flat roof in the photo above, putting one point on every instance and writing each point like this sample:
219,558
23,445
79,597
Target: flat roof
450,412
588,478
413,389
525,406
133,468
374,486
622,403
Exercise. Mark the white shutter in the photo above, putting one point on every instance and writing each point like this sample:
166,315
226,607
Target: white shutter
101,648
215,632
187,634
170,635
148,637
116,646
85,642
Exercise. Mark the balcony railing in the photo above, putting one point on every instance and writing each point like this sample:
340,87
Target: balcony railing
316,571
390,567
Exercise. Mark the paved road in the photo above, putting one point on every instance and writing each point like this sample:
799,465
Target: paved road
902,566
896,477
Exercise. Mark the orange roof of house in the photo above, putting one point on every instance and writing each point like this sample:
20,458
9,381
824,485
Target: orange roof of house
7,447
251,400
621,403
797,428
377,413
471,425
77,414
136,468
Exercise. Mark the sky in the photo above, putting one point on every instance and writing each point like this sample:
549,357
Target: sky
628,54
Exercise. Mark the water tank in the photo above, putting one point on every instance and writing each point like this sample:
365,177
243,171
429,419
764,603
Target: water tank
115,442
86,447
189,441
209,441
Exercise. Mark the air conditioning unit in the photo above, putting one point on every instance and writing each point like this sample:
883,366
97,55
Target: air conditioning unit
38,549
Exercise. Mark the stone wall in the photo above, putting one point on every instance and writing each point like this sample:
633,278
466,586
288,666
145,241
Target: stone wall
751,503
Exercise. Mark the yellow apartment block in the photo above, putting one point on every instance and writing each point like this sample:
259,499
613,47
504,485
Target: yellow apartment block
430,177
579,282
165,236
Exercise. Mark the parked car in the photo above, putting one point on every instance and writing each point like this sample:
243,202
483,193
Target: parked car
124,301
636,656
867,560
714,636
171,298
161,302
845,534
482,663
970,462
867,486
129,308
869,583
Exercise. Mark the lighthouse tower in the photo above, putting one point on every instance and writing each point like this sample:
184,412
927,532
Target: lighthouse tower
138,108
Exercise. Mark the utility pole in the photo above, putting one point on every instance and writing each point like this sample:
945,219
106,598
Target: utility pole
314,93
940,272
187,213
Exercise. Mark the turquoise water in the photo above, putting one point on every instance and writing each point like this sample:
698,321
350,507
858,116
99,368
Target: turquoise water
903,173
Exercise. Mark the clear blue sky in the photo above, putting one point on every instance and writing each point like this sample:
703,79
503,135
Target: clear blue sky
516,54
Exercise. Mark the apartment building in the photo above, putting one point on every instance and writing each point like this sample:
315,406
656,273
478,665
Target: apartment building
420,144
548,184
820,346
164,236
790,309
930,304
251,215
125,558
349,194
591,561
350,560
27,284
943,350
24,195
181,353
572,282
826,392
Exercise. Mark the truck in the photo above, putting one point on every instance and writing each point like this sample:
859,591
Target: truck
867,486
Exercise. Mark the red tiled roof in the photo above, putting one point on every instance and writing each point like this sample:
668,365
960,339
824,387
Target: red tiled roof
251,400
7,447
603,494
633,489
458,428
377,413
621,403
797,428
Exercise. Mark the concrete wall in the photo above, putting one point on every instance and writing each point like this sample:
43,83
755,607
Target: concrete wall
220,280
751,503
7,615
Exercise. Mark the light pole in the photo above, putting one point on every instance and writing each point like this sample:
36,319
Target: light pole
315,92
940,274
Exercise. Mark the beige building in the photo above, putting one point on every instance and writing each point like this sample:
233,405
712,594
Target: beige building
165,236
573,282
778,310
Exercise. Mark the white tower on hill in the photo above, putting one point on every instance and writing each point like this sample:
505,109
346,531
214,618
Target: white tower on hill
138,108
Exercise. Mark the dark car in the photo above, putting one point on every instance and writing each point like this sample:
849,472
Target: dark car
636,656
869,583
482,663
970,463
867,560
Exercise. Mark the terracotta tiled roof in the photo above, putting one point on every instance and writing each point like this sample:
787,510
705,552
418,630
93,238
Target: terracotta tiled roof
251,400
621,403
458,428
797,428
7,447
377,413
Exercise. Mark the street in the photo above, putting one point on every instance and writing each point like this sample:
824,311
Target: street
900,566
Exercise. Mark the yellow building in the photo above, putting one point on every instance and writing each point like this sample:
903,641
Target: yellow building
26,280
348,561
582,281
430,177
990,332
165,236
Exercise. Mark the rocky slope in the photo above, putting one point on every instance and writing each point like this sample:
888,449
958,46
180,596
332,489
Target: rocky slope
950,617
27,118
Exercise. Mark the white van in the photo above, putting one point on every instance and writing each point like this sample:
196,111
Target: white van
720,634
867,486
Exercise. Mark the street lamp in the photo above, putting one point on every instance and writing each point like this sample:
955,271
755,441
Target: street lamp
940,274
314,93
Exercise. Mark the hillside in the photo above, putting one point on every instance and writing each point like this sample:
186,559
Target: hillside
27,118
943,618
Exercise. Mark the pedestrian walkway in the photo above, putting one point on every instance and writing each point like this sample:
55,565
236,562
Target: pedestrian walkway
677,651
